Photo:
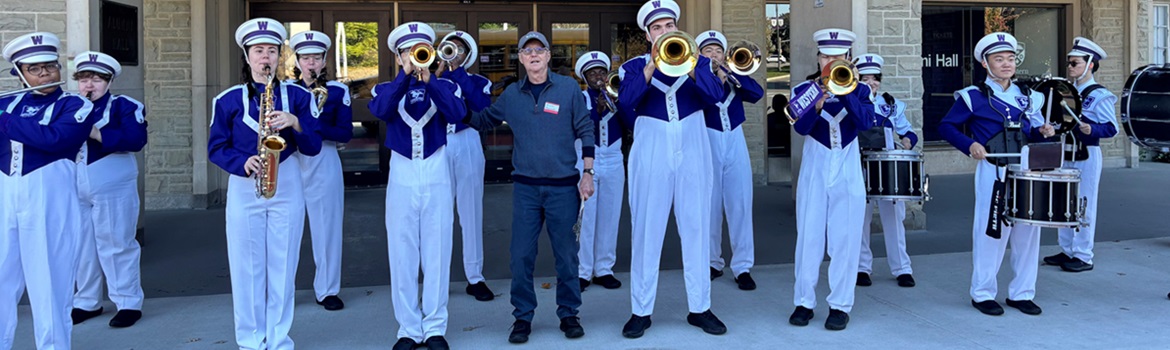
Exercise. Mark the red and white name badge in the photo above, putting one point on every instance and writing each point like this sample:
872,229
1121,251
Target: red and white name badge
552,108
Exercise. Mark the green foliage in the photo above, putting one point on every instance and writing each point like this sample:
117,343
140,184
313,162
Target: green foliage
362,41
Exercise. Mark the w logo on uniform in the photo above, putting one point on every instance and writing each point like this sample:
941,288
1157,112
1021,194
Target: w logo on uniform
1000,37
833,35
93,57
413,28
308,36
262,25
38,39
657,4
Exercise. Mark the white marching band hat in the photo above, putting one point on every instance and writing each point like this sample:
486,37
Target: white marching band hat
869,64
410,33
31,48
995,43
260,31
712,37
97,62
1085,47
590,60
310,42
654,10
834,41
472,48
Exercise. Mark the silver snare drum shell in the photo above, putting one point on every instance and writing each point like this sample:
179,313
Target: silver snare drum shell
1045,198
894,175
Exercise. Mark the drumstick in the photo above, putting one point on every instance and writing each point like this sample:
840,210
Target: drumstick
1003,155
1070,111
1047,115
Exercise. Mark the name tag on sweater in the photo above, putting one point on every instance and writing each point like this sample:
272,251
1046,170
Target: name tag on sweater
552,108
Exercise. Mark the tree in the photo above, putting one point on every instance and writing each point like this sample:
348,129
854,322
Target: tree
362,42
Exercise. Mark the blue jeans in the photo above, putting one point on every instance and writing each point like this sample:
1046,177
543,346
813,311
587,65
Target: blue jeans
531,207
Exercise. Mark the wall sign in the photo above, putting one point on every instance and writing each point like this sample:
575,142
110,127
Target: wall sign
119,32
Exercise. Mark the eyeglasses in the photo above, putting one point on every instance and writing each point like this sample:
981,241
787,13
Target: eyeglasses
531,51
47,68
1073,63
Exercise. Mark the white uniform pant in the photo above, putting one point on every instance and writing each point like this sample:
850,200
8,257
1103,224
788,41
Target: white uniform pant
40,219
603,212
892,215
325,205
108,253
264,245
987,253
419,221
829,202
1079,244
670,164
466,161
731,193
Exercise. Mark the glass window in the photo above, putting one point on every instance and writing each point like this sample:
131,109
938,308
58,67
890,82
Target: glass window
356,57
948,40
778,85
498,60
1161,35
569,41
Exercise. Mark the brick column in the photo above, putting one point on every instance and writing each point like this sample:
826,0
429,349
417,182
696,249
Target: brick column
167,39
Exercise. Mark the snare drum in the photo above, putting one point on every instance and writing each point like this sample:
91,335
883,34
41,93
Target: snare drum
894,175
1045,198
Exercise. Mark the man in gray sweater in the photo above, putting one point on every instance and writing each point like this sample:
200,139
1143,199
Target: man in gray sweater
547,113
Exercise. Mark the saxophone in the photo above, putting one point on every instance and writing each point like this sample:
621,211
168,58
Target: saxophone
320,91
269,144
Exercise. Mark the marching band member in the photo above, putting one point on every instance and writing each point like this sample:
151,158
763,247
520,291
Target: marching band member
603,212
263,234
109,204
41,132
889,120
831,194
992,107
670,164
1099,121
321,174
416,107
732,190
547,190
466,150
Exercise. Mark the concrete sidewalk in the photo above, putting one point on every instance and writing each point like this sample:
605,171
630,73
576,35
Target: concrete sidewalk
1120,305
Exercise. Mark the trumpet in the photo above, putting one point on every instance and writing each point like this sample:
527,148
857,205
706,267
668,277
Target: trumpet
612,82
34,88
421,56
448,52
837,77
676,53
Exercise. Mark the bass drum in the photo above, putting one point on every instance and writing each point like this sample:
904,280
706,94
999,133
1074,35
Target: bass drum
1144,105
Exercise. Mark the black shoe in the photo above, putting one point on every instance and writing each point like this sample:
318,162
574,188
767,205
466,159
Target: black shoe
1076,265
572,327
607,281
405,344
988,307
1058,259
437,343
708,322
636,326
332,303
125,318
520,331
480,291
837,320
716,273
906,280
864,280
800,316
1025,306
745,281
80,315
584,283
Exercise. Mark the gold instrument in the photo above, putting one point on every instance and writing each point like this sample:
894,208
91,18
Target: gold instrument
612,82
320,91
268,144
675,53
448,52
34,88
744,59
421,56
837,77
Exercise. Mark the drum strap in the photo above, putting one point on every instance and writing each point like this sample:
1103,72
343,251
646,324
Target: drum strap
995,218
1089,90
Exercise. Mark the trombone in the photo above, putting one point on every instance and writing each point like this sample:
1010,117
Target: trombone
743,60
612,82
675,53
34,88
837,77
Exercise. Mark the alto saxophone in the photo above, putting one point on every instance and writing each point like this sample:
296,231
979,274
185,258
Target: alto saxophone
269,144
320,91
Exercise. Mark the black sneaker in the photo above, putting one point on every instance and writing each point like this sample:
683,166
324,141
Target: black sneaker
520,331
716,273
125,318
708,322
607,281
800,316
1076,265
332,303
906,280
480,291
988,307
837,320
572,327
80,315
405,344
1025,306
745,281
636,326
1058,259
864,280
584,283
437,343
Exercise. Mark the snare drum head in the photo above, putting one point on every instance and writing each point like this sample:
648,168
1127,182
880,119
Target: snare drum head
899,154
1056,91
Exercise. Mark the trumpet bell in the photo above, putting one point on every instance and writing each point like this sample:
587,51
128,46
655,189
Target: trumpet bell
612,82
676,53
744,58
838,78
448,51
422,55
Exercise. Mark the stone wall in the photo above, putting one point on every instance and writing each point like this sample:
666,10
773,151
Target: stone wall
1104,22
167,37
20,17
745,20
